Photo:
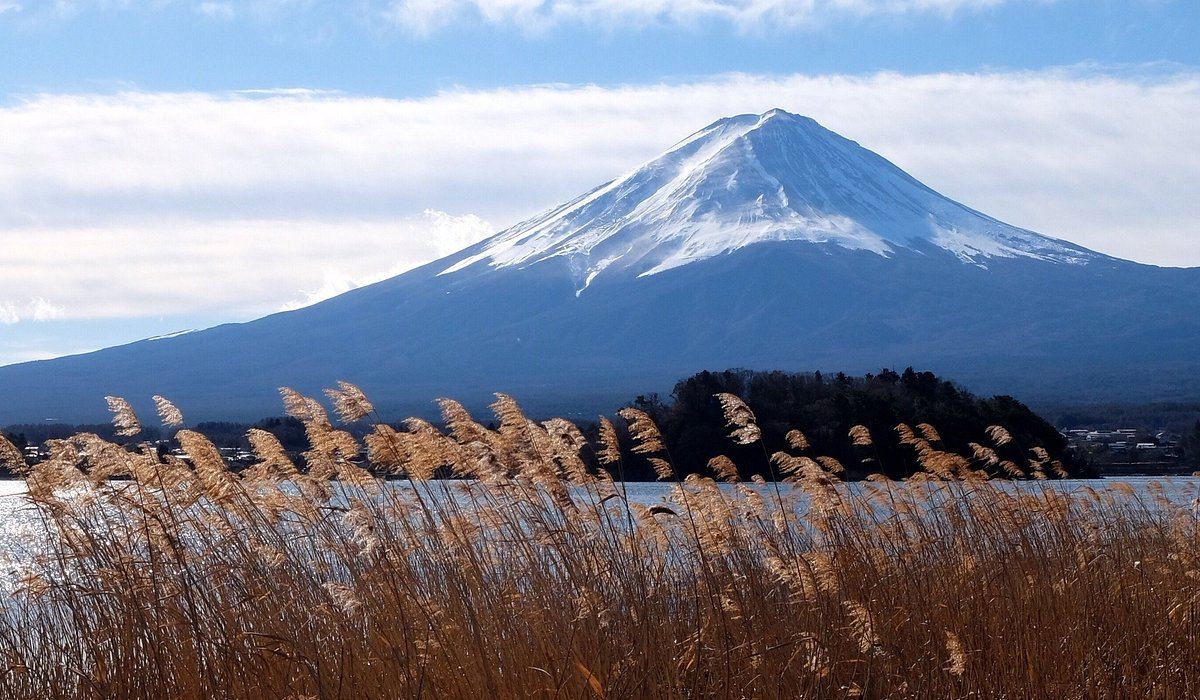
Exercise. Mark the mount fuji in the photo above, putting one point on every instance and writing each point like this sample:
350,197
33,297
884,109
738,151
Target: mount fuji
762,241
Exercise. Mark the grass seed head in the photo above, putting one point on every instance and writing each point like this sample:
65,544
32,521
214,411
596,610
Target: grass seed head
662,468
860,436
797,440
462,425
999,435
170,415
739,417
862,627
11,457
958,657
124,419
294,403
349,402
646,437
610,447
929,432
724,468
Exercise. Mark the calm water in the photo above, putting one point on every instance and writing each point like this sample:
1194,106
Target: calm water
1182,490
21,529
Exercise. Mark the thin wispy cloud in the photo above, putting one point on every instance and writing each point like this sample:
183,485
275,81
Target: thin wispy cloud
426,16
138,205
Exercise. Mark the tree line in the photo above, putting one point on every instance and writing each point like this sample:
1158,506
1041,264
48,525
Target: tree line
825,408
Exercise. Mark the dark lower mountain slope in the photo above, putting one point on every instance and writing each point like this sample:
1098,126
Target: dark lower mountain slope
1107,329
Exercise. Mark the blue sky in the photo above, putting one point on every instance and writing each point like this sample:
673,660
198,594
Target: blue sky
172,164
368,48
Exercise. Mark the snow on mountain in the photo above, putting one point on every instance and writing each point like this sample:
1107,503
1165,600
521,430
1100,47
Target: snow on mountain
750,179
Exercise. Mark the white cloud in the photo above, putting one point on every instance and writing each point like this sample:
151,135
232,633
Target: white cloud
240,268
440,233
36,309
8,313
449,233
9,6
333,283
42,310
217,10
141,204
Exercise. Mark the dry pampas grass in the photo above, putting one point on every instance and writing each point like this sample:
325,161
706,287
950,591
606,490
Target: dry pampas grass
353,571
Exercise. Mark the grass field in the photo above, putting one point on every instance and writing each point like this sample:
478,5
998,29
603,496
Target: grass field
533,576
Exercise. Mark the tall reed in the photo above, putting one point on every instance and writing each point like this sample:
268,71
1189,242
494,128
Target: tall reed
536,575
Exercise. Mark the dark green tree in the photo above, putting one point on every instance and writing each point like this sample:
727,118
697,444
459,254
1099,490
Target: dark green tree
694,430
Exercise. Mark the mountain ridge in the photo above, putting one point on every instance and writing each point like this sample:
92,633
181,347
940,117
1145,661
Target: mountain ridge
532,312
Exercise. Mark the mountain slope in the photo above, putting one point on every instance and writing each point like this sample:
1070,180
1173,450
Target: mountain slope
763,241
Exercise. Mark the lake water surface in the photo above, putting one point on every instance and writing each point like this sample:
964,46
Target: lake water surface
21,528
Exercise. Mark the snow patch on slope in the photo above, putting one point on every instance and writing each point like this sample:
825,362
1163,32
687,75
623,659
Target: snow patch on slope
176,334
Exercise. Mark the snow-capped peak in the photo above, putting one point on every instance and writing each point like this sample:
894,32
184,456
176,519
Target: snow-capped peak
750,179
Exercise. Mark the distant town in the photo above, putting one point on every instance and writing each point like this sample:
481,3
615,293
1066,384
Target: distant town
235,457
1129,451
